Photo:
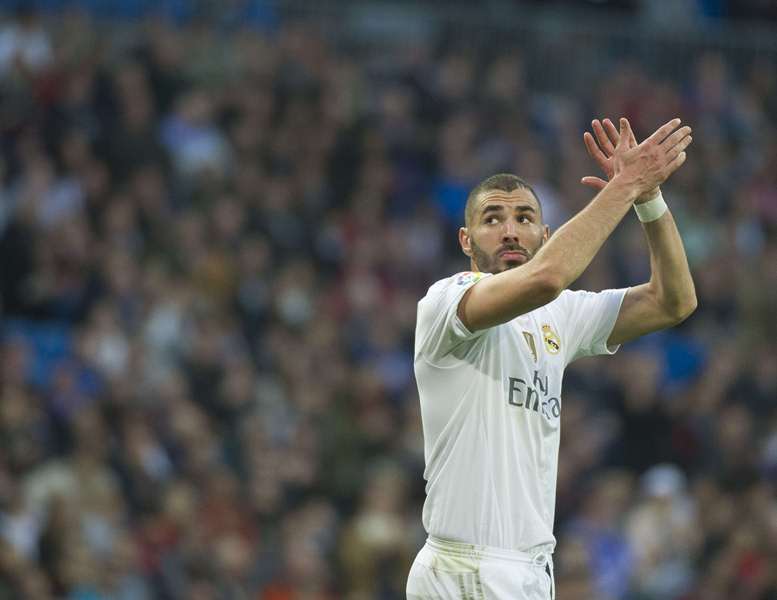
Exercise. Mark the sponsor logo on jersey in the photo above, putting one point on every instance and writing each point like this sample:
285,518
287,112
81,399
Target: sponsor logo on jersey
469,276
533,395
552,341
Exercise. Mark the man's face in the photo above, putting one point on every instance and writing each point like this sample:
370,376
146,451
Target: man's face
505,230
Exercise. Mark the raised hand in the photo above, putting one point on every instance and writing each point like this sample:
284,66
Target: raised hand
650,162
602,150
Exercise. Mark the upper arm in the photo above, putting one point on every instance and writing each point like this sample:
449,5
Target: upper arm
641,313
504,296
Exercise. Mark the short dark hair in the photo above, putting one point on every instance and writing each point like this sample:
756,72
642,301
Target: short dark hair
506,182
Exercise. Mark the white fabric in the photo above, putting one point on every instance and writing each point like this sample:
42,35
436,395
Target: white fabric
491,411
652,209
445,570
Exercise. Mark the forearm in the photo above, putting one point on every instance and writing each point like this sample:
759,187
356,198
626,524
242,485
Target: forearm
572,248
670,276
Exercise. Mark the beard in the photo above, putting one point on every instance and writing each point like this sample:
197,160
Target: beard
488,263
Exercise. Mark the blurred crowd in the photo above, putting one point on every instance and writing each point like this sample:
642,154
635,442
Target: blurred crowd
212,245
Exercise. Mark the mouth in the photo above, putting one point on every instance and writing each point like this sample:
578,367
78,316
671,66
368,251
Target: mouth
510,255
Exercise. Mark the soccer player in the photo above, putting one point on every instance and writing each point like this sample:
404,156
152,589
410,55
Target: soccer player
491,347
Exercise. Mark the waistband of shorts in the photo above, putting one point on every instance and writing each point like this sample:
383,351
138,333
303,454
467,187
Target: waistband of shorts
539,555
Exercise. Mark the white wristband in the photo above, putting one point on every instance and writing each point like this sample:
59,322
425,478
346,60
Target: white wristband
652,209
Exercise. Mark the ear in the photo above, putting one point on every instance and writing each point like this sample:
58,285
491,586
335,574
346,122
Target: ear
464,241
546,233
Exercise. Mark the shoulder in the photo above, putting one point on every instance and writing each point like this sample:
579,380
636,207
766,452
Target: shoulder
562,310
458,281
563,302
572,295
582,308
569,299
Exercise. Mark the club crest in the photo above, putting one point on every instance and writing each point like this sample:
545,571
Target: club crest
552,341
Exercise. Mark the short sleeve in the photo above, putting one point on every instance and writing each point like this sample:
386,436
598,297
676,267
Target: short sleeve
589,319
439,328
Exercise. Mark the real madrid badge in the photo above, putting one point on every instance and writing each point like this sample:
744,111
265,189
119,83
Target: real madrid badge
552,341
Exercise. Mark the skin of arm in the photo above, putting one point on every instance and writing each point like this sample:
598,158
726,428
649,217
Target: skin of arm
669,297
568,253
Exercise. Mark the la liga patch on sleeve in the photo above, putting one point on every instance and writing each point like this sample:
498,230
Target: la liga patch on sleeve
468,277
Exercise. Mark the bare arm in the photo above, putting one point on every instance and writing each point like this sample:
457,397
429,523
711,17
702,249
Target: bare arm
669,297
566,255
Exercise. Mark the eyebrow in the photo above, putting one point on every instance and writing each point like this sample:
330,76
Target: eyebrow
499,208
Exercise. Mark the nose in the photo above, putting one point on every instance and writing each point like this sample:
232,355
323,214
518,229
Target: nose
510,231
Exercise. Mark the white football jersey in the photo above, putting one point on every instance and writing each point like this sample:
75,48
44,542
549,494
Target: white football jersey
491,407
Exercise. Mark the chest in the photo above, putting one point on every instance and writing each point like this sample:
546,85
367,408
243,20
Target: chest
527,365
532,344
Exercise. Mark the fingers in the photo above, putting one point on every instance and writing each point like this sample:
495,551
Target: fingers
612,132
676,138
676,163
660,134
594,182
594,150
679,148
601,136
624,131
632,140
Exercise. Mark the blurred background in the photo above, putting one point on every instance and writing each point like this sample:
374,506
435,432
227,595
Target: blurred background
216,220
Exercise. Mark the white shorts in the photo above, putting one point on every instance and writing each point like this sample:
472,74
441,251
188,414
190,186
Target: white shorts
445,570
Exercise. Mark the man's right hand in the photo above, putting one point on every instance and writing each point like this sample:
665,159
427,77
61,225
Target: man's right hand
643,167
